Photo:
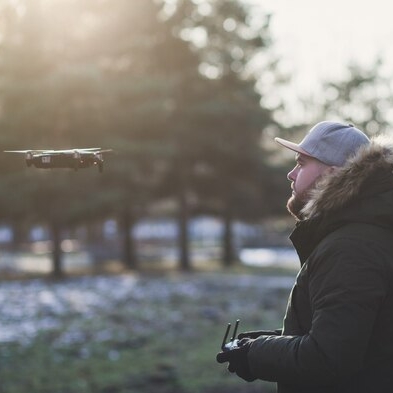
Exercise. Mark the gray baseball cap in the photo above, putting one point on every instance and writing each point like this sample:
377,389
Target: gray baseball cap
330,142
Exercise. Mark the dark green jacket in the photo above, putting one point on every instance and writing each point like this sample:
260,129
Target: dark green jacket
338,328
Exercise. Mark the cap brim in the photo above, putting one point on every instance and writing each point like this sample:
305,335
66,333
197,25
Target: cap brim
292,146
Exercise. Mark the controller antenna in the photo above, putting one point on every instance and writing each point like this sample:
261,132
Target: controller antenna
225,337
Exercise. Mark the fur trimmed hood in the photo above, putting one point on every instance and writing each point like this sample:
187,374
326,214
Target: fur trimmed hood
337,189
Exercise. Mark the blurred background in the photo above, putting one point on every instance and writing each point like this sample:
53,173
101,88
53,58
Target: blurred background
124,281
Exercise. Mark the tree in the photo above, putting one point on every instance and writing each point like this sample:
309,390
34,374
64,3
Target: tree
224,129
363,97
43,102
157,78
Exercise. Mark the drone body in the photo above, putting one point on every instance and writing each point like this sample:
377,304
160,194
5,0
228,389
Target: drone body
72,158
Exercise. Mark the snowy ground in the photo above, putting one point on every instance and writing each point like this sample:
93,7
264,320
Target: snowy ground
93,308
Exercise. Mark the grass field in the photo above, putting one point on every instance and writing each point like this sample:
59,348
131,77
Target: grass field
130,333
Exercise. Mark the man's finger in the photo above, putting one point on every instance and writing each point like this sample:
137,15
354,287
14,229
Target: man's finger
222,357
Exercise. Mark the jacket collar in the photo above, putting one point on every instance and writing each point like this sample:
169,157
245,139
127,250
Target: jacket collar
340,187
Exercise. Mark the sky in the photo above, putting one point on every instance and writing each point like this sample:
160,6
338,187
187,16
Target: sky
317,39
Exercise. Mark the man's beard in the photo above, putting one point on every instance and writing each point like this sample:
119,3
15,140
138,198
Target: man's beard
296,204
298,201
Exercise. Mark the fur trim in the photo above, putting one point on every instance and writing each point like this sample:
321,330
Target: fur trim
343,184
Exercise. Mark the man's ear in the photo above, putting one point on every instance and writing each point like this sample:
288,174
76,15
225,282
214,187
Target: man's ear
333,169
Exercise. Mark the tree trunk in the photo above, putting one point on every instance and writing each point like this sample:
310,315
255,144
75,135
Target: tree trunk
129,249
183,240
57,268
18,236
228,253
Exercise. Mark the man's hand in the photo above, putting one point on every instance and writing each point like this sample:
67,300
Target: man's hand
256,333
237,358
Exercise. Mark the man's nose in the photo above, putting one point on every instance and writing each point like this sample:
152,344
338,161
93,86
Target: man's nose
291,176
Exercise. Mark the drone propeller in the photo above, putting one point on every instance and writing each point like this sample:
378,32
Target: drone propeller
72,151
18,151
52,151
32,151
89,148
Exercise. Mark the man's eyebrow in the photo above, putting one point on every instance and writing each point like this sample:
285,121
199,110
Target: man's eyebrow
300,158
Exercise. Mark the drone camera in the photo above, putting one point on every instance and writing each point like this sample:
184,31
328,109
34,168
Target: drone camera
232,343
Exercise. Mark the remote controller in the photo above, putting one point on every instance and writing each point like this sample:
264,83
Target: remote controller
232,343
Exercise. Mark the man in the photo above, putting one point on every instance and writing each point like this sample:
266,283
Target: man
337,331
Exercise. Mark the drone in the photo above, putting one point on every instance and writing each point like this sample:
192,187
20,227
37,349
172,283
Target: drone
70,158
